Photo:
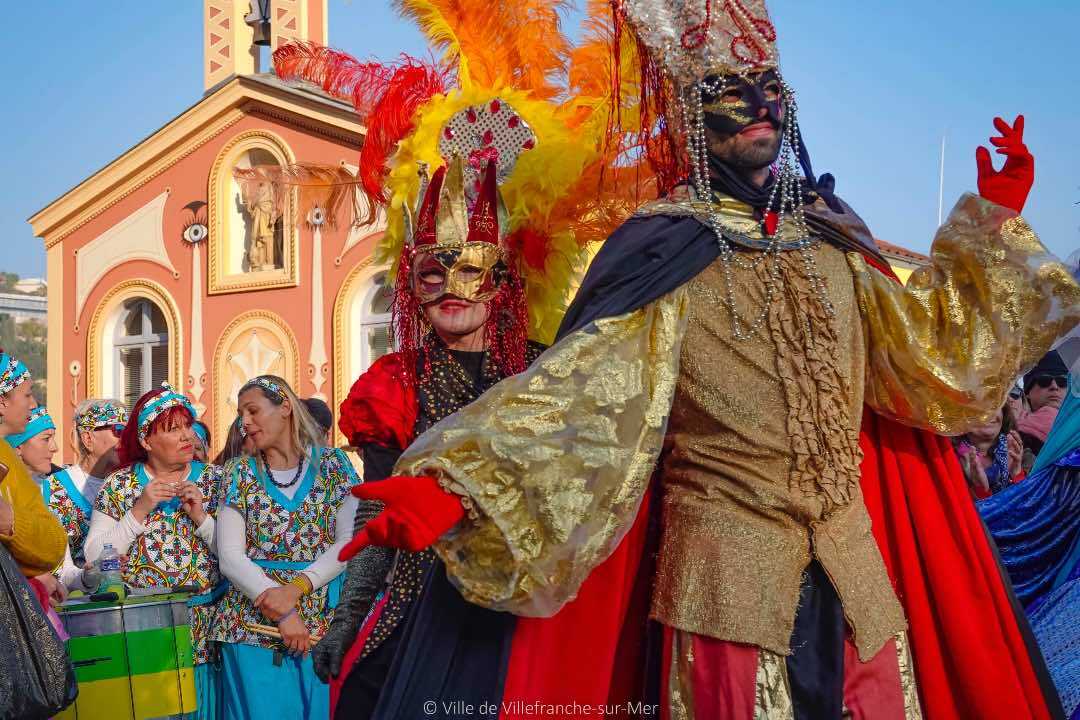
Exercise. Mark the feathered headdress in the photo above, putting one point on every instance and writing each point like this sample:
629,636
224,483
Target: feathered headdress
576,185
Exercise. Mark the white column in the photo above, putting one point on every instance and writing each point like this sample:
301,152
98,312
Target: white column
197,366
317,358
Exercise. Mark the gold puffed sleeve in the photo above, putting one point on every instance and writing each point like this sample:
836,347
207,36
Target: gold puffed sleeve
553,463
943,352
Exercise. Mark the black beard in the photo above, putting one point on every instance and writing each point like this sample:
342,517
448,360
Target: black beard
761,153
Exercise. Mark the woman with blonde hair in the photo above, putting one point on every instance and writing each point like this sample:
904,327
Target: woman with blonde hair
289,512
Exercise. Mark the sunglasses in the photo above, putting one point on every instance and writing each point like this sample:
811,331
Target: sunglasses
1045,382
115,429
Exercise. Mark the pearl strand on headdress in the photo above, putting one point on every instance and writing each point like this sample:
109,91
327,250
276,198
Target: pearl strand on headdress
787,185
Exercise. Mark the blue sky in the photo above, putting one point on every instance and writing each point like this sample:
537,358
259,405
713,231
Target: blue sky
879,83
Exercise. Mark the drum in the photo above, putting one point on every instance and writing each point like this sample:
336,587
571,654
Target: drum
132,660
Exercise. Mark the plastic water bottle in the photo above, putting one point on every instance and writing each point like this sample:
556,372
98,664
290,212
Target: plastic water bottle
109,565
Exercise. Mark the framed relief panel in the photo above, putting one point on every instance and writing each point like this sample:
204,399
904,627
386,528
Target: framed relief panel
253,235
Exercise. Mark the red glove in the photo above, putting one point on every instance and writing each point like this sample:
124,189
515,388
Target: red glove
1008,187
417,511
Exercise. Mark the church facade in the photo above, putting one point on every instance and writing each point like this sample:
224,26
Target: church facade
160,269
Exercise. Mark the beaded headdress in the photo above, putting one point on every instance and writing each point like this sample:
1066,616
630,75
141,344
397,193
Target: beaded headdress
693,39
687,51
12,373
165,401
265,383
104,414
39,422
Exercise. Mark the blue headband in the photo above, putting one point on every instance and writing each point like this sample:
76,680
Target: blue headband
39,423
106,414
12,373
201,432
265,383
166,400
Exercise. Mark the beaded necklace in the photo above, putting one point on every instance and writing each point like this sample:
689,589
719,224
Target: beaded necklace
792,231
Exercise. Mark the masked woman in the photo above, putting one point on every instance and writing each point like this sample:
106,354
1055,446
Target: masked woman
289,514
159,509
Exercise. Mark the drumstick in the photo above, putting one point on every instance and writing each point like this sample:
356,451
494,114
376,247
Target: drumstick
271,631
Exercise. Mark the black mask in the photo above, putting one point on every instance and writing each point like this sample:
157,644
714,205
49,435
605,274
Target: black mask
733,103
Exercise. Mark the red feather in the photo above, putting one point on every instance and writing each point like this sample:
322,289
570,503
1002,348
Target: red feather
386,95
411,85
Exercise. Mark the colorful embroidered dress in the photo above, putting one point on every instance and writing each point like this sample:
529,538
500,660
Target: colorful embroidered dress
170,553
63,493
284,536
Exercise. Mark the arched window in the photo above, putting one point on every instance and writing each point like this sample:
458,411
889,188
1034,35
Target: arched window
375,340
140,349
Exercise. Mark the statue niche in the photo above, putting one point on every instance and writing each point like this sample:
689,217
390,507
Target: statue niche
261,203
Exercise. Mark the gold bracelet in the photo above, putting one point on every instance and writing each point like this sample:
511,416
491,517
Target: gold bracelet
301,582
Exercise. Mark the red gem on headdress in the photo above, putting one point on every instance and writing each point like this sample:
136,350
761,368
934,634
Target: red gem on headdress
514,121
471,115
529,144
479,159
484,221
495,106
488,137
448,133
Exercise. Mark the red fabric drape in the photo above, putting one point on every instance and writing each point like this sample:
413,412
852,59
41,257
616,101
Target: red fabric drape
591,652
381,407
969,654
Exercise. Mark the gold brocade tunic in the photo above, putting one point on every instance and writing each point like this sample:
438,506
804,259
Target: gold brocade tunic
761,470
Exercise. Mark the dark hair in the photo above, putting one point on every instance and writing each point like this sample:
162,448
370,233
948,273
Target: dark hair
206,429
129,450
1008,423
320,413
234,444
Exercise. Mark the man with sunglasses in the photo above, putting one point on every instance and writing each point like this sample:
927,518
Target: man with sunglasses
1045,387
70,491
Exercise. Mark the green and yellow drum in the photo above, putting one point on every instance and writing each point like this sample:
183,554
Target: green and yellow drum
132,659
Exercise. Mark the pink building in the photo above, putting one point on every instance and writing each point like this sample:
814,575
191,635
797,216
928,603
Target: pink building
158,268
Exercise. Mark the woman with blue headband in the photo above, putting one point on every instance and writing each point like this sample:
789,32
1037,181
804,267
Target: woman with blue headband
159,509
28,530
288,515
36,446
70,491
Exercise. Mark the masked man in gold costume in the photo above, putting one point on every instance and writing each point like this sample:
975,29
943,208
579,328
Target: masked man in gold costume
738,431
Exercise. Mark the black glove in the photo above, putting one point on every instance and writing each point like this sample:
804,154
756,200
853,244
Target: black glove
365,576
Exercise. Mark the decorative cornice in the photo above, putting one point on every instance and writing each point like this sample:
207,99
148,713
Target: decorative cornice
176,140
256,107
167,162
118,293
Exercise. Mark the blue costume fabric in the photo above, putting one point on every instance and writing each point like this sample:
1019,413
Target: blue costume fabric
1036,524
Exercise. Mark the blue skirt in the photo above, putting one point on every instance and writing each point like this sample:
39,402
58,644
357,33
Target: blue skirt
207,692
254,688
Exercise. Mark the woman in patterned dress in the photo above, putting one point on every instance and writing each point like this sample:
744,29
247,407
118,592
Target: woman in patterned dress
289,512
159,509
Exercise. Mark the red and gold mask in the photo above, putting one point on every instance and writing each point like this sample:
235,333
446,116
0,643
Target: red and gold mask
471,272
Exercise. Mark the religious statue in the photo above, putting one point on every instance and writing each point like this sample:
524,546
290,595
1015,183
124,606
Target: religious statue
260,206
